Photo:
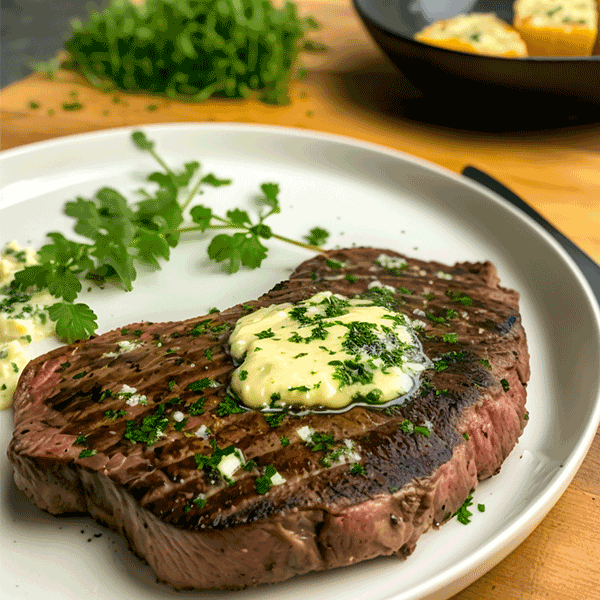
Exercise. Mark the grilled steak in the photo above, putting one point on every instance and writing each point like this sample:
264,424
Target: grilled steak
130,425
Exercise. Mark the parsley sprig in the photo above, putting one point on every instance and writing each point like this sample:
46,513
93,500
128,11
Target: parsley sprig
120,235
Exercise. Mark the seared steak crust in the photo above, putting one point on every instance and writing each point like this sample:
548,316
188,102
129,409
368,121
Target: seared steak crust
72,448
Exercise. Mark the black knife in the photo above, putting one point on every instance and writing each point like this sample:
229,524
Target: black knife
590,270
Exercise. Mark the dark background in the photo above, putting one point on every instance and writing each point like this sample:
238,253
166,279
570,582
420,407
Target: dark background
35,30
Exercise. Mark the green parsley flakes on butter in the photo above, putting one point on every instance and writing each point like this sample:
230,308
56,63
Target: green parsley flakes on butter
23,319
327,351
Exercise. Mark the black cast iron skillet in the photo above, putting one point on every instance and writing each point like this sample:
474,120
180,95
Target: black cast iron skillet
547,90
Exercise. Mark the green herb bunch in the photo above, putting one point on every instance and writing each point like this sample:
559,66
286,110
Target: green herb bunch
122,235
191,49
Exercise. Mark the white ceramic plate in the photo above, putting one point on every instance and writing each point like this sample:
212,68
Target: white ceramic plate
365,195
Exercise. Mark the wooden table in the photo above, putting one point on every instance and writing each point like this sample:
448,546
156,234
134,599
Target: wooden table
352,90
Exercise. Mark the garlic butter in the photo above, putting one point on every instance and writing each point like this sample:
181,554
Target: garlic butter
328,351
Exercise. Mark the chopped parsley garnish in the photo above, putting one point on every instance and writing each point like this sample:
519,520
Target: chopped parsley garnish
350,278
197,408
80,441
243,375
149,429
485,363
463,514
87,452
321,442
459,297
79,375
180,425
422,430
208,354
172,383
447,359
481,507
199,502
371,397
333,264
202,384
505,384
267,333
349,372
228,407
407,426
410,428
466,436
299,388
114,414
451,338
442,319
210,464
265,482
357,469
284,441
274,419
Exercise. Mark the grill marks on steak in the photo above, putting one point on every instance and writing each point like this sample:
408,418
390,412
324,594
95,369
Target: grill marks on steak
321,517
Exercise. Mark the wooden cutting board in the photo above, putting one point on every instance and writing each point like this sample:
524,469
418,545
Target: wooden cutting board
353,91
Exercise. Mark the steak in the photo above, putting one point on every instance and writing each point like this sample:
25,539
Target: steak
130,425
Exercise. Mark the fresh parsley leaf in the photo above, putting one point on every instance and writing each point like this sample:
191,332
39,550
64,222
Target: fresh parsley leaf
239,249
73,321
64,284
238,217
317,236
271,196
141,141
201,215
210,179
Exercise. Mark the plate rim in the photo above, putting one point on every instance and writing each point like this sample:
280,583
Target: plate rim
455,577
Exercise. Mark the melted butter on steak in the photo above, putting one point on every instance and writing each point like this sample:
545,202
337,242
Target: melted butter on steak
325,352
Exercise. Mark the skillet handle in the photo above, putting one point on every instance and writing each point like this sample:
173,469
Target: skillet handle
590,270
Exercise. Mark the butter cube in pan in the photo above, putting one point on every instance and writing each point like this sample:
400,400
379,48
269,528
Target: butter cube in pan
557,27
476,33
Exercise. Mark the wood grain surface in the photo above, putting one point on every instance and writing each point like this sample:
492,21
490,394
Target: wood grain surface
353,91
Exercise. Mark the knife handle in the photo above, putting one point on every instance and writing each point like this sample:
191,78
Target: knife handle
589,269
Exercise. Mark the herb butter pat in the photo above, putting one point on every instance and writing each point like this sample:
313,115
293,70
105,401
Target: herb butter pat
327,351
